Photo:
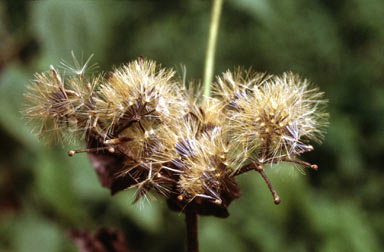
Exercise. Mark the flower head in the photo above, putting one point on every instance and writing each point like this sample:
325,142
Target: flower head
278,116
138,90
59,106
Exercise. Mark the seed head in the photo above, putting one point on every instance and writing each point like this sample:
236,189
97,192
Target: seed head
139,90
234,86
58,107
198,155
278,116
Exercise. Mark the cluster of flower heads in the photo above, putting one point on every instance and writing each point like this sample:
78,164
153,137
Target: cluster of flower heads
162,138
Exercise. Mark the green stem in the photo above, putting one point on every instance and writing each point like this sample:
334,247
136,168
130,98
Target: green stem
211,47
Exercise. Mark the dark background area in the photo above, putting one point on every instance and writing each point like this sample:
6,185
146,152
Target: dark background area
339,45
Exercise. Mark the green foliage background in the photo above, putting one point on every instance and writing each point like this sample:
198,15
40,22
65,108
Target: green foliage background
339,45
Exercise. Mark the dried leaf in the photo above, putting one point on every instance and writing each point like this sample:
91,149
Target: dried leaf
107,166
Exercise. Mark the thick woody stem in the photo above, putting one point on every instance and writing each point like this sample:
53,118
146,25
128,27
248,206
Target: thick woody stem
192,232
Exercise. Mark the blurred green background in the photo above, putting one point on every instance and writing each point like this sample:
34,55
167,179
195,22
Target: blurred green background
339,45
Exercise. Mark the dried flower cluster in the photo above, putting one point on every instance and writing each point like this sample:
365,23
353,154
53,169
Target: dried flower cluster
143,129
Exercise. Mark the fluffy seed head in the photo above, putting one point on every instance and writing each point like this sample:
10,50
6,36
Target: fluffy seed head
278,117
234,86
140,89
198,154
58,107
205,172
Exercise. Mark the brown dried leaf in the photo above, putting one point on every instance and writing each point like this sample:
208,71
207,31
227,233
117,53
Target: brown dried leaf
108,167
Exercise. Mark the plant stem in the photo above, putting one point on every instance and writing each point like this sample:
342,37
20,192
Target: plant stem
300,162
245,168
190,212
259,167
276,198
211,47
192,234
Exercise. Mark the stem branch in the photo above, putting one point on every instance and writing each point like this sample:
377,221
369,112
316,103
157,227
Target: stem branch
259,167
300,162
244,169
276,198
